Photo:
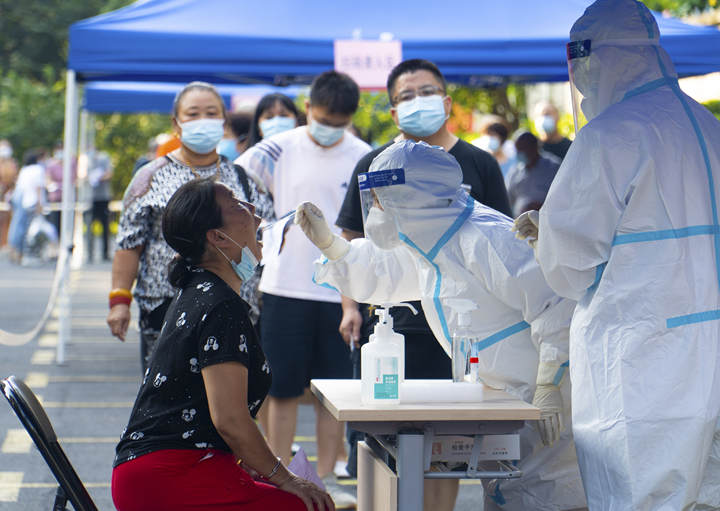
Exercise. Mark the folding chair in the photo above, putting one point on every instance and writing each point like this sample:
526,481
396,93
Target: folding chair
32,415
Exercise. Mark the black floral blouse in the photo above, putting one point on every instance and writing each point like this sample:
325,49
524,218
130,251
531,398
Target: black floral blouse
207,323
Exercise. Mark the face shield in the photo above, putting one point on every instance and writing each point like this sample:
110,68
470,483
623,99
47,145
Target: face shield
578,58
380,225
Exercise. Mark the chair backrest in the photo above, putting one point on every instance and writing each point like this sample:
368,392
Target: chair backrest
33,417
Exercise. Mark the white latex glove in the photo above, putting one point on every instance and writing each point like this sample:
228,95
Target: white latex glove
550,401
526,227
312,222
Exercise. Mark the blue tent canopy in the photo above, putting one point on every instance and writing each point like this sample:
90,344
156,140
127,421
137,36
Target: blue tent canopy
124,97
285,41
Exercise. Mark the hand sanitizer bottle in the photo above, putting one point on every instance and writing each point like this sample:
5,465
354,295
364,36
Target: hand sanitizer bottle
382,362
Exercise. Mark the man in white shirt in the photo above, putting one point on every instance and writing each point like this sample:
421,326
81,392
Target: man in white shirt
300,319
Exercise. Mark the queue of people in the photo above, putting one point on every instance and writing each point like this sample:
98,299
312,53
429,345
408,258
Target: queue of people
605,320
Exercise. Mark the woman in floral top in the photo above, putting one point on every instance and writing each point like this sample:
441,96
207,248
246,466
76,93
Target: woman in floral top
198,118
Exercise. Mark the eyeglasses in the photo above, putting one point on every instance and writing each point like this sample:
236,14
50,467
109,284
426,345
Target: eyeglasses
408,95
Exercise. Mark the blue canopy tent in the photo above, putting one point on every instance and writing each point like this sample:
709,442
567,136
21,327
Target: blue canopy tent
284,41
157,97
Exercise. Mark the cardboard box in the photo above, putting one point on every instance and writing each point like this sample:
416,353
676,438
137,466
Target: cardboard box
458,448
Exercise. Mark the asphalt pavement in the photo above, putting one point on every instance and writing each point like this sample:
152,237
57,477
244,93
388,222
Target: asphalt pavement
89,397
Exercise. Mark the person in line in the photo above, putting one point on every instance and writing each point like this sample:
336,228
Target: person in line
531,176
237,131
274,113
27,200
299,321
496,137
546,122
191,442
198,117
8,176
420,109
428,239
100,172
630,230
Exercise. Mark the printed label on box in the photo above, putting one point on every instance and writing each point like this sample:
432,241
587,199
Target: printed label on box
458,448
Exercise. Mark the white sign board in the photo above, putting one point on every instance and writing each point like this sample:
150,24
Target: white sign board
368,62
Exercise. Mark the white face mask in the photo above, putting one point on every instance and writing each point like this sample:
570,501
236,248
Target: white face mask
381,229
5,151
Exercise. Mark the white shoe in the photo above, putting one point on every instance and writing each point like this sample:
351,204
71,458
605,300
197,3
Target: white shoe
340,470
342,498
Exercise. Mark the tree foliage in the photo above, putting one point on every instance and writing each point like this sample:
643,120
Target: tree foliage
680,7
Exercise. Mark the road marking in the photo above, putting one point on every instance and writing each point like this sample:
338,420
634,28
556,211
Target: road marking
89,439
87,404
95,379
48,341
37,380
304,438
10,486
43,357
16,441
42,485
100,358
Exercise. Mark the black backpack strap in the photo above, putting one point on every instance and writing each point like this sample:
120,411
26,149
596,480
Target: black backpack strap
243,178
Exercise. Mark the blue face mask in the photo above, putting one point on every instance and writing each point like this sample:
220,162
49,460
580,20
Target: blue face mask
228,148
325,135
521,158
203,135
277,124
493,144
422,116
547,124
248,262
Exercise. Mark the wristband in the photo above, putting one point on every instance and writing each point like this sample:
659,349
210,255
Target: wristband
119,291
115,300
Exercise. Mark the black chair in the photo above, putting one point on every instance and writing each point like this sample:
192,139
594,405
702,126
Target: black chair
32,415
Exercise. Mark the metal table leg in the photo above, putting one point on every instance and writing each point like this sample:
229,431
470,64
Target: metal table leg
410,470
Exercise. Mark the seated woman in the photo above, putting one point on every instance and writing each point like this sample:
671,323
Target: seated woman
191,442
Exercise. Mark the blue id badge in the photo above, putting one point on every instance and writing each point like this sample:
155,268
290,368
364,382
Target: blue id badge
379,178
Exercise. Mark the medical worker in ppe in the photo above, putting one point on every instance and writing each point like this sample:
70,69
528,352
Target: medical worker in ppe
429,240
630,230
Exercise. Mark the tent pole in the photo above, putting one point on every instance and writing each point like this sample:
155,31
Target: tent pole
80,250
68,213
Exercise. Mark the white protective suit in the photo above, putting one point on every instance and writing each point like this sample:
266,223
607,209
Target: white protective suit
630,229
454,247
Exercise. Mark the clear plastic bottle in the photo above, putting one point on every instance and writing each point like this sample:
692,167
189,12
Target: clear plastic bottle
462,340
383,363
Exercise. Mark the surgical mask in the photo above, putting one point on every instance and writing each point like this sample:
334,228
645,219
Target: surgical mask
381,229
325,135
547,124
421,116
5,151
228,148
493,144
248,262
277,124
522,158
203,135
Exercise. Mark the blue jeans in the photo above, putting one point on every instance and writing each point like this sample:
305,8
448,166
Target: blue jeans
19,225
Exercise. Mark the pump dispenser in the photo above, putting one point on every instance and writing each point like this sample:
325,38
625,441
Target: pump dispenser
463,340
383,360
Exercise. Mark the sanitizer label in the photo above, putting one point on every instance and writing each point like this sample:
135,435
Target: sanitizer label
386,381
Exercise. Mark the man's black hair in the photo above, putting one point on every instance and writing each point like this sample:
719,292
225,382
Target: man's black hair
410,66
335,91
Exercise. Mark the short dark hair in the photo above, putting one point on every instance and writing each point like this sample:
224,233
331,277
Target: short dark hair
197,86
499,129
190,213
266,102
410,66
33,156
335,91
240,123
